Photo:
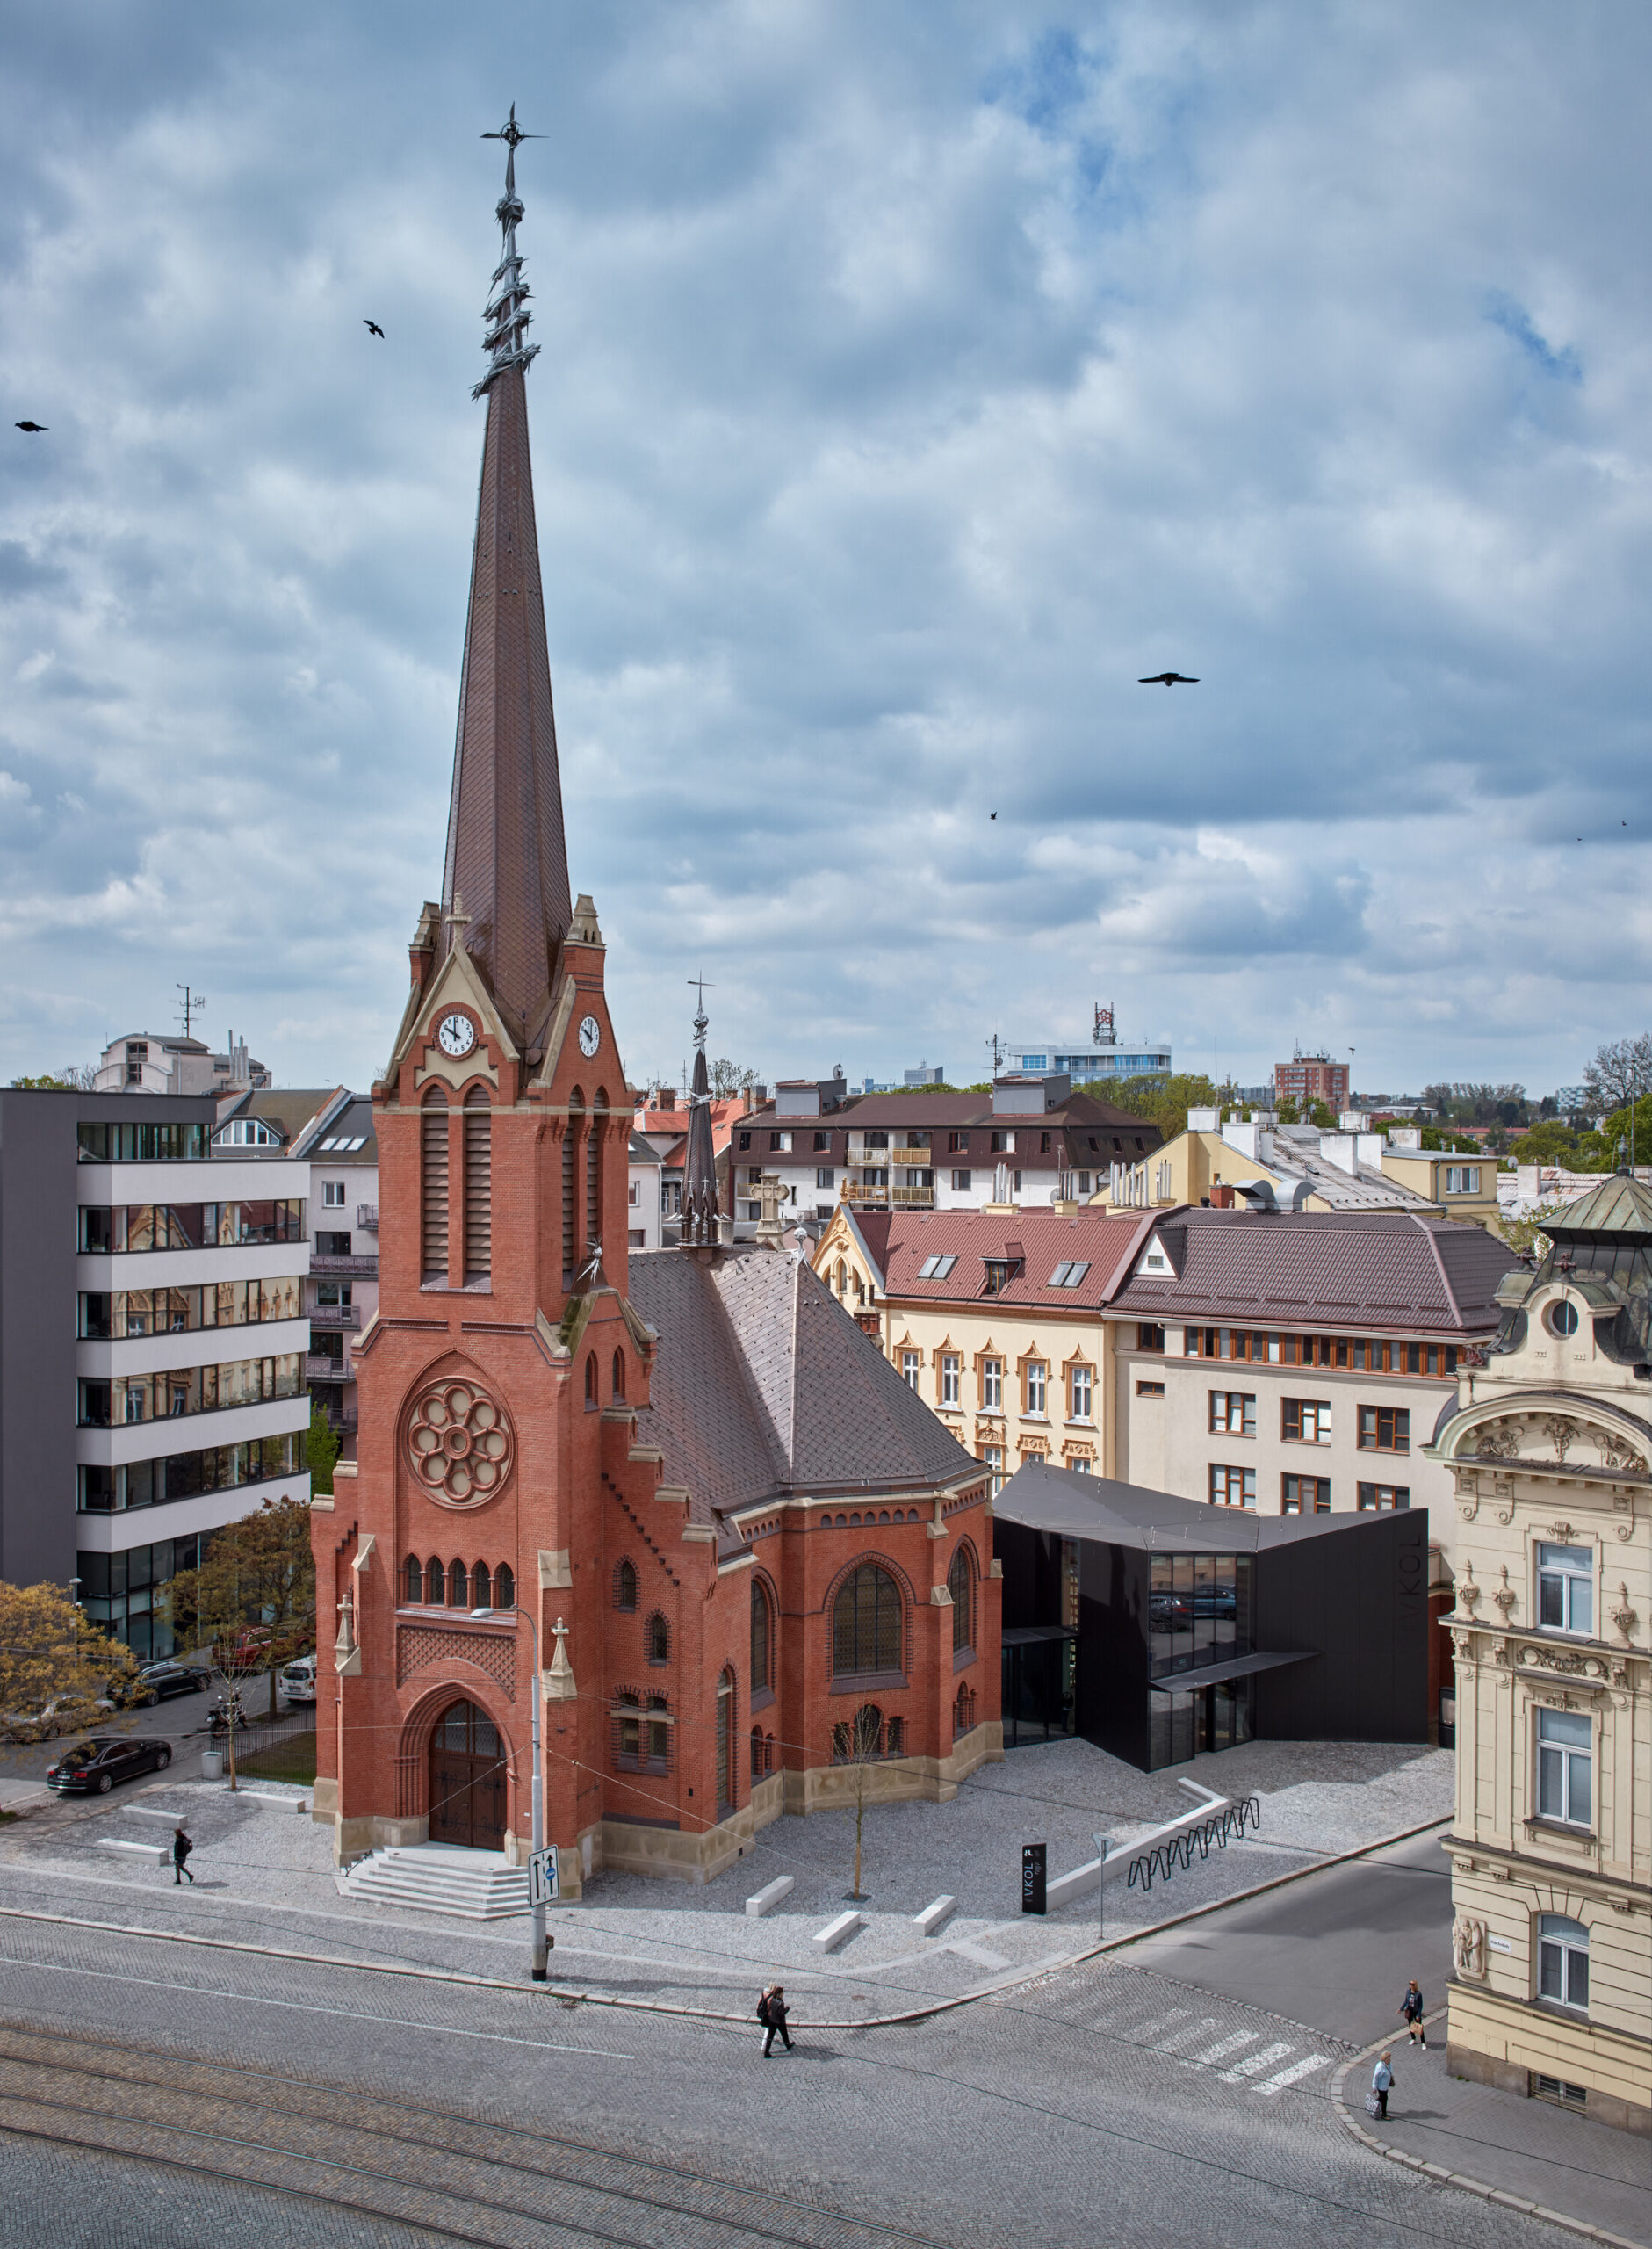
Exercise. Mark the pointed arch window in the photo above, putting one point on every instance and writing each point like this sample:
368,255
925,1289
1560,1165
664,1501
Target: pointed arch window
759,1636
960,1586
478,1185
657,1635
726,1756
415,1581
866,1624
435,1584
433,1189
591,1398
504,1587
458,1594
594,1173
570,1183
481,1588
625,1585
619,1377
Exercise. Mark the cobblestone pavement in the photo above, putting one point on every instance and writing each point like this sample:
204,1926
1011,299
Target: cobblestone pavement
266,1875
1103,2102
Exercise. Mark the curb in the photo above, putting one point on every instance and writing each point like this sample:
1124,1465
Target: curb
991,1989
1441,2177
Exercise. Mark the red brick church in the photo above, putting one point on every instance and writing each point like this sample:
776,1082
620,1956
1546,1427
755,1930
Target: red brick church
750,1551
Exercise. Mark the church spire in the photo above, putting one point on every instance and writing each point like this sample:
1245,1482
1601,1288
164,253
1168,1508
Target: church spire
506,851
699,1228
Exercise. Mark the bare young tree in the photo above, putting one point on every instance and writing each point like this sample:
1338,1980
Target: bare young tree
860,1743
728,1078
1620,1072
252,1598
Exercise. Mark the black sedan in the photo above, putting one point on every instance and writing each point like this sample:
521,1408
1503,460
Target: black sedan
91,1768
160,1680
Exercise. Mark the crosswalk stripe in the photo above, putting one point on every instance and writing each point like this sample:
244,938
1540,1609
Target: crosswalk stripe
1150,2028
1185,2037
1223,2047
1254,2063
1281,2079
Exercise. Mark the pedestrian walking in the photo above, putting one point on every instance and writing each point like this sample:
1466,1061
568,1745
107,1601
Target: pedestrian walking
1411,2009
181,1848
1383,2084
771,2013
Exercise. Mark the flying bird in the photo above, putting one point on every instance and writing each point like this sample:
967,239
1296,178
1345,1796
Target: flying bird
34,429
373,328
994,815
1167,679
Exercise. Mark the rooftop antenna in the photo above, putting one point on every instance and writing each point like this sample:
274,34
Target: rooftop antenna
192,1004
997,1053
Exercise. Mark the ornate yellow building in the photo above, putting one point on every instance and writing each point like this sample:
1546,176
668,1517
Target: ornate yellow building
1552,1845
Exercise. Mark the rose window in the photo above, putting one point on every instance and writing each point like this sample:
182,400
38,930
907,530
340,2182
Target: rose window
459,1443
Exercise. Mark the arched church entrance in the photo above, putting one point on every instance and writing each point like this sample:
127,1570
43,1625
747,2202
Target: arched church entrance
467,1779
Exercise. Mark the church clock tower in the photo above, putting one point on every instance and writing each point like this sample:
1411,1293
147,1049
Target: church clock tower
503,1343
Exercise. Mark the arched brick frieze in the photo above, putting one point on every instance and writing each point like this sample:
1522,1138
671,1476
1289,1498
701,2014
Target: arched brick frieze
413,1745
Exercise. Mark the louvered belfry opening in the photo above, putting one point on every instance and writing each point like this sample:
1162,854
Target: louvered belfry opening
594,1174
478,1185
434,1188
570,1187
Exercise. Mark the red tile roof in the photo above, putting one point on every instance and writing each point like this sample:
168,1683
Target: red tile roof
1041,1241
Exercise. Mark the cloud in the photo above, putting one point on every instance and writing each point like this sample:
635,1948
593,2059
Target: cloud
910,385
1502,312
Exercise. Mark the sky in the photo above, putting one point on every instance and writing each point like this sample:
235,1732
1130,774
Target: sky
914,378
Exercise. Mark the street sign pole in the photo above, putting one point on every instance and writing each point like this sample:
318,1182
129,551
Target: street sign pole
536,1902
1103,1846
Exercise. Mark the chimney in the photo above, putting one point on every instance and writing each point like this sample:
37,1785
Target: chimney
1220,1198
667,1097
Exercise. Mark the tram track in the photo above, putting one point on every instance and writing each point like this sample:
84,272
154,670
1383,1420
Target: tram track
446,2176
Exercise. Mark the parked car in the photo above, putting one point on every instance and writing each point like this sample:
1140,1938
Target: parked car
298,1680
67,1713
169,1678
91,1768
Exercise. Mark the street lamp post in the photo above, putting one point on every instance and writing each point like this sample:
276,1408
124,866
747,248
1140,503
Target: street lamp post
537,1905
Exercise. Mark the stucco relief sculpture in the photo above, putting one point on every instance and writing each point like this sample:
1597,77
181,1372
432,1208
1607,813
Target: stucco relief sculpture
1497,1441
1562,1434
1469,1594
1505,1597
1468,1946
1623,1615
459,1444
1617,1452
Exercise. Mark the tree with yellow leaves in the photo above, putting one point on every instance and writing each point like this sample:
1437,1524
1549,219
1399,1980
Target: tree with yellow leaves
50,1653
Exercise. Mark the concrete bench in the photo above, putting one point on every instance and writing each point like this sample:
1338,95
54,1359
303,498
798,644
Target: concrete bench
156,1853
933,1916
769,1897
838,1932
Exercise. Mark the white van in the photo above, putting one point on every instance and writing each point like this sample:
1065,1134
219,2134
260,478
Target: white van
298,1680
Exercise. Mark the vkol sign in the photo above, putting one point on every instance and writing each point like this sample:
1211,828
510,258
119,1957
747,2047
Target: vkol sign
1034,1862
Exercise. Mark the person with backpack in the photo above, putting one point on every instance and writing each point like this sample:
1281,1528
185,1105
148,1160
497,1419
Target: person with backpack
1411,2009
181,1848
771,2013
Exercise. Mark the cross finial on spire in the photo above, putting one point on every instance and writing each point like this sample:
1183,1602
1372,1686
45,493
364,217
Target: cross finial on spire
701,1020
506,315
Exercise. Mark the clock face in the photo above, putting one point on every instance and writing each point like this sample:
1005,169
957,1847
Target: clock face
456,1034
590,1037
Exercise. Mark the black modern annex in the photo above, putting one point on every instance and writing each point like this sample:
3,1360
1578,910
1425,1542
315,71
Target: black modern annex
1158,1627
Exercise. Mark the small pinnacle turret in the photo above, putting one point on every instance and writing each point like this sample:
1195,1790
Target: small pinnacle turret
699,1187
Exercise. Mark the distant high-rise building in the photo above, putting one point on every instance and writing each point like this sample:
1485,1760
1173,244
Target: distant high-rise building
1312,1077
1107,1055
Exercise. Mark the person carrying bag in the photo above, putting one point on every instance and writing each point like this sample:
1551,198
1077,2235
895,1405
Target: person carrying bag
1376,2101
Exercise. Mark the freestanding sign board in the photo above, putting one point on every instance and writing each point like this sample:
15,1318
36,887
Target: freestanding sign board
1033,1858
541,1877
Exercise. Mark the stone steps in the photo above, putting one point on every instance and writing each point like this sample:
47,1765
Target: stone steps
439,1879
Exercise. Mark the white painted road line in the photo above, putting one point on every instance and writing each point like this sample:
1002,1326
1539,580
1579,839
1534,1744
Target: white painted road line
1254,2064
1185,2037
1281,2079
1150,2028
1223,2047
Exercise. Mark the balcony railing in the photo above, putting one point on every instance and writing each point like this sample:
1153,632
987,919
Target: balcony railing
367,1217
319,1367
361,1269
923,1156
336,1315
884,1198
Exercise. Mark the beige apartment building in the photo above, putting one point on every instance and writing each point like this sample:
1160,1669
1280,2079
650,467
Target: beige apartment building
1282,1363
1551,1850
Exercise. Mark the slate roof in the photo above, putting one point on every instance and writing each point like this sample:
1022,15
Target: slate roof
1323,1269
763,1385
1042,1240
